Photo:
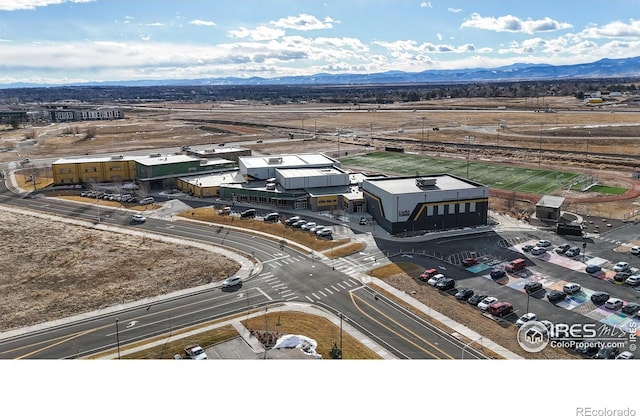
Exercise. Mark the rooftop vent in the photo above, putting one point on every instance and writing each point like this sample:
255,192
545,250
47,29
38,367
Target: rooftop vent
155,155
117,157
274,160
422,182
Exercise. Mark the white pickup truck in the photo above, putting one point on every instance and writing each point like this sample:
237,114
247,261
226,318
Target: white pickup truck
195,352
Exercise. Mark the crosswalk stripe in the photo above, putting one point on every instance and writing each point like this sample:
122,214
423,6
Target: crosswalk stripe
317,297
309,299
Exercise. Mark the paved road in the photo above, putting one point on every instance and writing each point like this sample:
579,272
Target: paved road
287,275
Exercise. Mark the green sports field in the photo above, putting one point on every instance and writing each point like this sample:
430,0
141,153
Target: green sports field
512,178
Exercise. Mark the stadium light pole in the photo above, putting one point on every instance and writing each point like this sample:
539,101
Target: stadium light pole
468,139
540,145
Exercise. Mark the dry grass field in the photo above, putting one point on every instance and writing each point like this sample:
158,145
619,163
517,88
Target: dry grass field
55,270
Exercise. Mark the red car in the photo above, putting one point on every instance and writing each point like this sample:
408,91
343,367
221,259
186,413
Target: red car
469,261
428,274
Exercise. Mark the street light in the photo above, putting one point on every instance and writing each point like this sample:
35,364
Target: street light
118,338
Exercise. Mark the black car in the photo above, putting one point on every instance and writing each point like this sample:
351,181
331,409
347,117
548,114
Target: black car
532,287
446,284
607,353
248,213
527,248
561,249
572,252
556,296
599,298
588,349
631,308
621,276
497,273
477,298
464,294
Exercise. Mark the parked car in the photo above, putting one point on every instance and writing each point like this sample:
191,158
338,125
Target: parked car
248,213
427,274
592,268
620,277
446,284
613,303
572,252
299,223
547,324
633,280
272,217
599,298
625,355
476,298
363,221
138,218
621,266
532,287
500,309
527,248
464,294
309,225
515,265
148,200
291,220
537,250
484,303
469,261
232,281
571,288
556,296
497,273
315,229
543,243
433,280
527,317
630,308
562,248
607,353
325,232
635,250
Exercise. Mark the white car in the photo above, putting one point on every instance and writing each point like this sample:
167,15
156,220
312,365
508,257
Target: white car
635,250
484,304
232,281
571,288
433,280
537,250
543,243
621,266
527,317
633,280
613,303
625,355
138,218
309,225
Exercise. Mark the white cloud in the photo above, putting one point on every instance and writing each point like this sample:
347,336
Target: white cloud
154,24
199,22
511,23
613,30
11,5
304,22
452,10
258,34
426,4
439,36
411,46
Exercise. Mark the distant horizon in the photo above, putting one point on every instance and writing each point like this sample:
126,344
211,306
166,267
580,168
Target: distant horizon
538,70
71,42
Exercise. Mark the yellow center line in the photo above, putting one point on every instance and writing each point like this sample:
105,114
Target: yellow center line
62,341
395,332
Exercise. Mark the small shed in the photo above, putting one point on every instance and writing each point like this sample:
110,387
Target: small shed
550,208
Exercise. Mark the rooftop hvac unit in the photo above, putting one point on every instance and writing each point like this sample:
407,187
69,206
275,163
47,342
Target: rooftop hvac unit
155,155
421,182
274,160
272,180
117,157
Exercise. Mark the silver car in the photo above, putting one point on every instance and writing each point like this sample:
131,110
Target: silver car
232,281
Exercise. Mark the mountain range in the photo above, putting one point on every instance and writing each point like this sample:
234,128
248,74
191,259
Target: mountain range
604,68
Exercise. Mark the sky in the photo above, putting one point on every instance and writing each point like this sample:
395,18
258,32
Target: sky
73,41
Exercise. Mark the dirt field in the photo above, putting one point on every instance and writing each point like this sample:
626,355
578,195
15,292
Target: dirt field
52,269
55,270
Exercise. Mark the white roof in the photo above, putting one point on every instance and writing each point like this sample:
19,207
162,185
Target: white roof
96,159
216,179
308,172
287,161
408,185
165,159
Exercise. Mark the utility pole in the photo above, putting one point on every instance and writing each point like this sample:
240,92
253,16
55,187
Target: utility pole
118,338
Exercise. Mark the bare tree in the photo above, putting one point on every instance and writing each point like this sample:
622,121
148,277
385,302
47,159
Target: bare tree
90,133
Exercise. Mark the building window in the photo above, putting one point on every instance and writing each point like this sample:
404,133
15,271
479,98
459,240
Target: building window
430,211
461,207
115,168
64,170
472,207
92,169
452,208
